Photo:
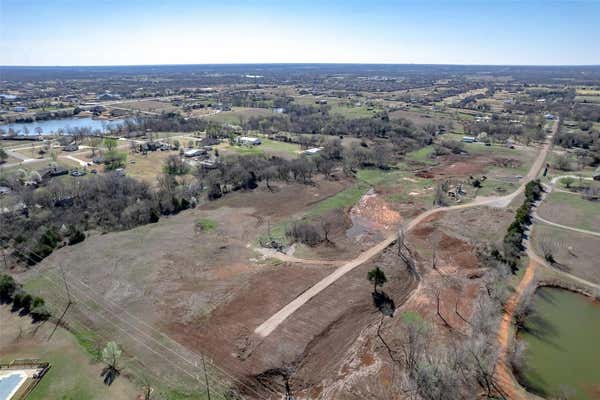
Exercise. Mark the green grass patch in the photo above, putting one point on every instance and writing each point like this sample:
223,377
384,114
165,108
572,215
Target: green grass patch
247,150
422,155
175,394
206,224
346,198
275,146
493,187
89,341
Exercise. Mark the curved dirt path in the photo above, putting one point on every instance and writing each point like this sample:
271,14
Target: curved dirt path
267,327
272,253
570,228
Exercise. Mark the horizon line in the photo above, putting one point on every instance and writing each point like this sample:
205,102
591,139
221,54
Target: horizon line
292,63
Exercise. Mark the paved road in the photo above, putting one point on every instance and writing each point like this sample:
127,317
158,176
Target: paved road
267,327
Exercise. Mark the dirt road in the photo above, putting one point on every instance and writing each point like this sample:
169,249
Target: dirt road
276,319
504,373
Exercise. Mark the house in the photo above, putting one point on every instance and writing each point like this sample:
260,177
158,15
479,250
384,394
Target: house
4,190
596,174
194,152
249,141
70,147
312,151
549,116
53,172
468,139
20,109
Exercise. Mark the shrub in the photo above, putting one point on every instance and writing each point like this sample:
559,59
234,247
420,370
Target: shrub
39,312
7,287
75,236
154,216
304,232
114,160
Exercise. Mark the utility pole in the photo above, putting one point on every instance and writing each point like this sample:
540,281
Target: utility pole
205,377
69,302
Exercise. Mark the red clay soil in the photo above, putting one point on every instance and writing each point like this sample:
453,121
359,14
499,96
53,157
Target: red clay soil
460,166
285,200
225,333
312,343
374,208
503,369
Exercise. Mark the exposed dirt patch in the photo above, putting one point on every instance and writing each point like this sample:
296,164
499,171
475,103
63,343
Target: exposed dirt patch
456,165
372,219
286,200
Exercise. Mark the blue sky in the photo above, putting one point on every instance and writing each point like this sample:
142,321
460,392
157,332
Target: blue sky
125,32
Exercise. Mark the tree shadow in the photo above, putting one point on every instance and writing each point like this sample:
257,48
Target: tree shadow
384,303
109,374
542,329
532,381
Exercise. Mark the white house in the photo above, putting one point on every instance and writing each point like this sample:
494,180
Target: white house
314,150
194,152
247,140
468,139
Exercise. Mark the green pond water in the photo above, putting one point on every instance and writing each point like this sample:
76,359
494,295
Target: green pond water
563,345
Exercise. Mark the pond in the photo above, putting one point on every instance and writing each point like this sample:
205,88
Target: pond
54,125
563,345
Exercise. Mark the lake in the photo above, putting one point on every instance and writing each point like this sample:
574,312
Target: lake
563,345
54,125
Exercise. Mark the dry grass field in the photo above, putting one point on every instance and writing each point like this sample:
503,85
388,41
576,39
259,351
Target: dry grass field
571,209
574,252
154,106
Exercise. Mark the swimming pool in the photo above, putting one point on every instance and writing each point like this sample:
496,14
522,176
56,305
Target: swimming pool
9,384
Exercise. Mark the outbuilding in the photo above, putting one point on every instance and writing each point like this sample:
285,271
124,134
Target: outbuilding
194,153
312,151
249,141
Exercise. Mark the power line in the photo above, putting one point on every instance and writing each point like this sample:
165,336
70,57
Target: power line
133,337
154,330
136,338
